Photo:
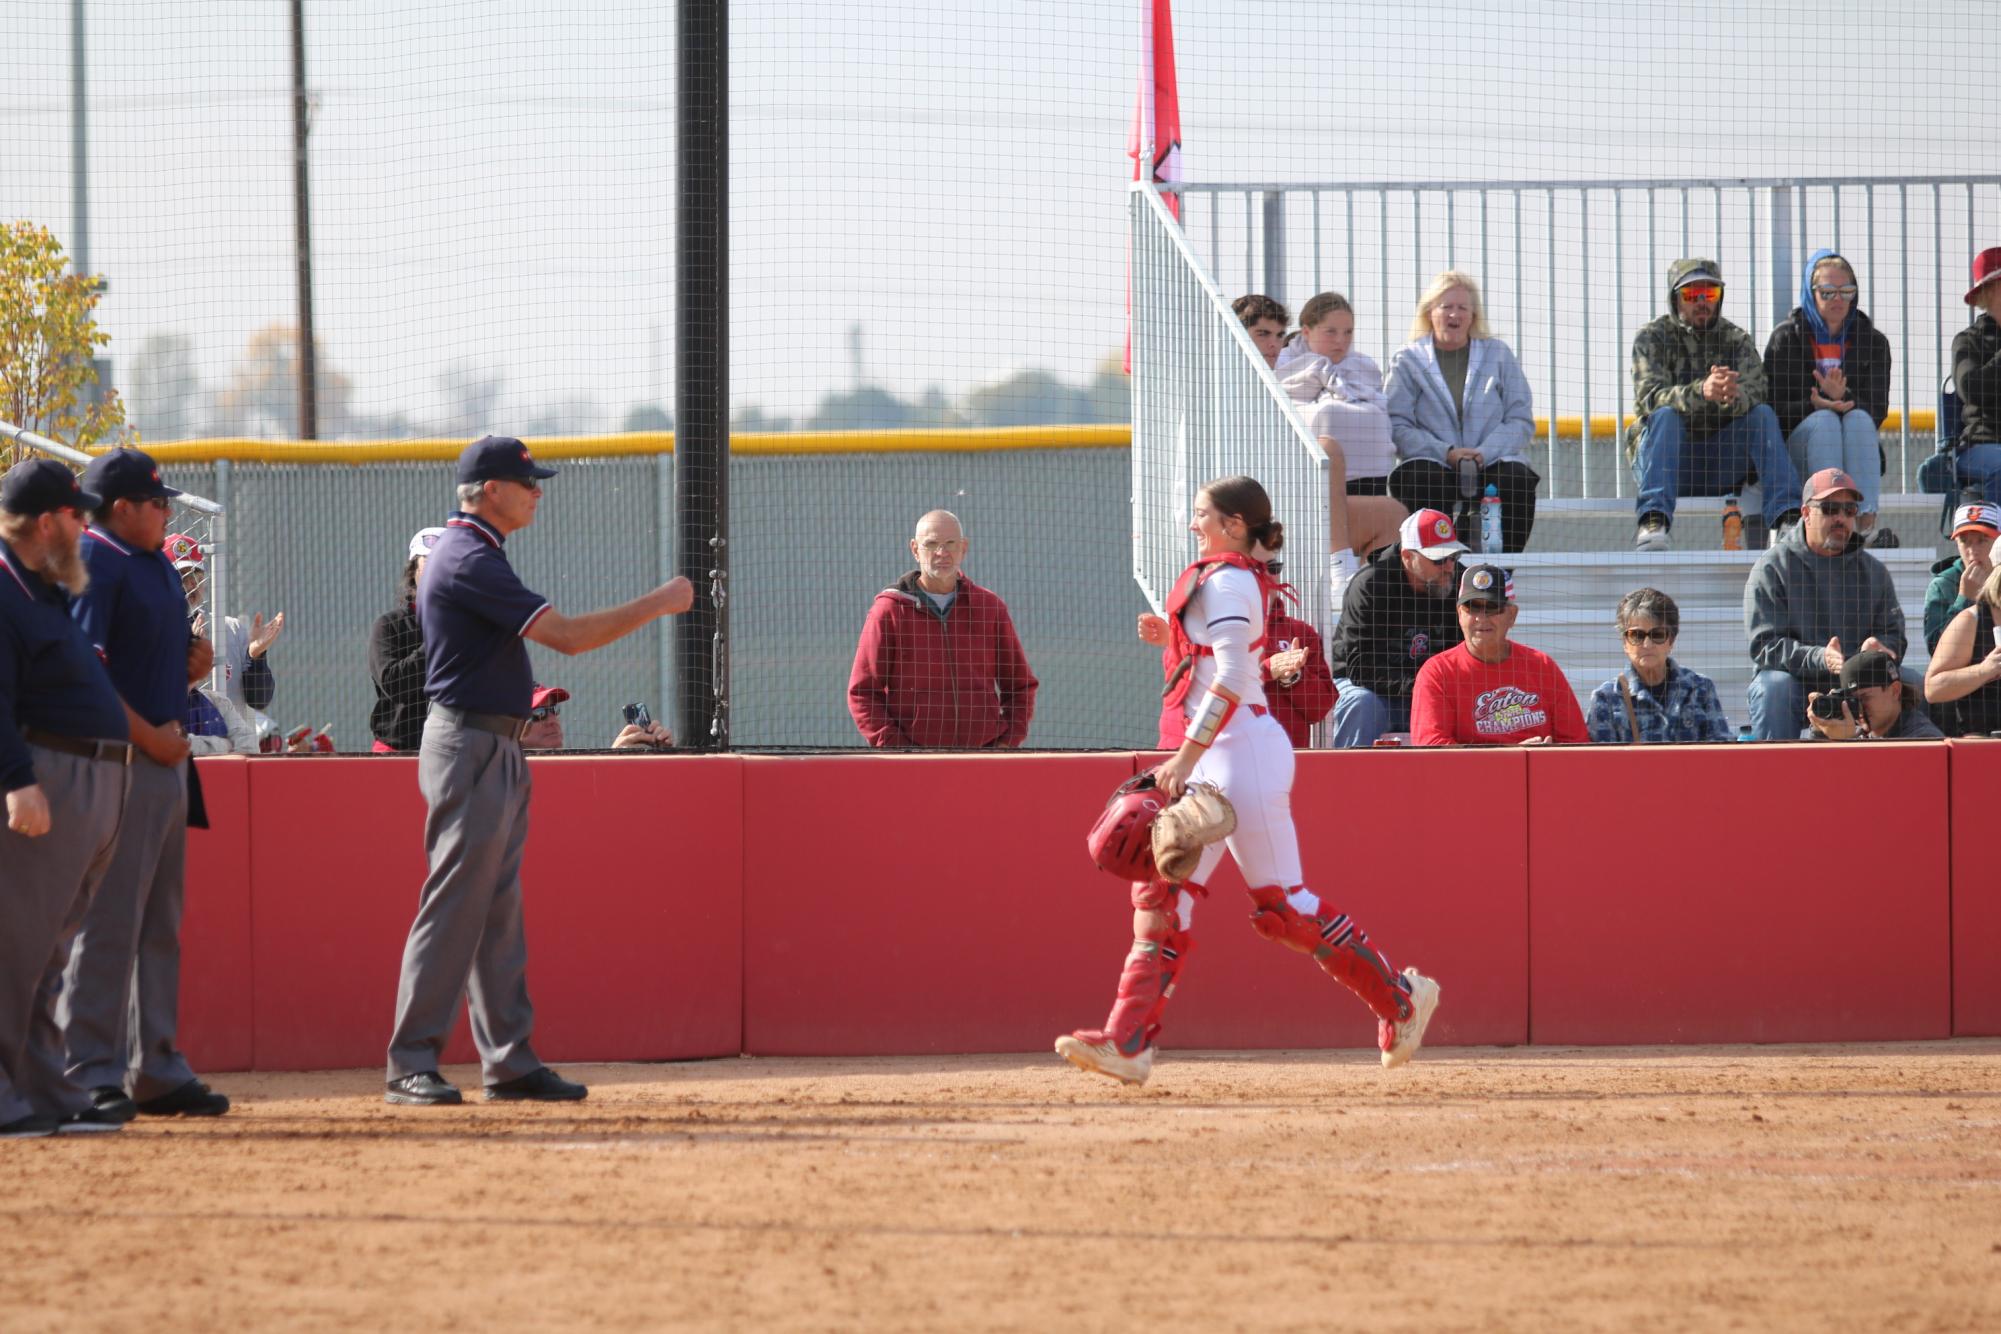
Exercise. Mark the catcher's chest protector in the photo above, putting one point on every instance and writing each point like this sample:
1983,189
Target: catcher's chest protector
1185,650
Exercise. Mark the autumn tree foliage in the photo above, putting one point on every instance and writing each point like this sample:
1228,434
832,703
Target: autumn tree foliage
49,341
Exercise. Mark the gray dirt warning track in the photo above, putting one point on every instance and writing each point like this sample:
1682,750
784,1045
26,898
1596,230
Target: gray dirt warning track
1851,1187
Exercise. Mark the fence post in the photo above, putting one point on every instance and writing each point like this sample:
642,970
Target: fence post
1780,229
1274,223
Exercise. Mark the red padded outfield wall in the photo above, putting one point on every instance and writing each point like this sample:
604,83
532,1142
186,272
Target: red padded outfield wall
1976,887
699,906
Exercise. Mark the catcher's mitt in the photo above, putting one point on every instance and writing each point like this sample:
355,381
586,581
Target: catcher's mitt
1202,815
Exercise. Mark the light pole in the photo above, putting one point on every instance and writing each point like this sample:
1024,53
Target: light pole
309,410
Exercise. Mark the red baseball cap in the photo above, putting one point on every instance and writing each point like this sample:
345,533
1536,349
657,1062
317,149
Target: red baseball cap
544,696
1429,533
183,551
1828,482
1986,268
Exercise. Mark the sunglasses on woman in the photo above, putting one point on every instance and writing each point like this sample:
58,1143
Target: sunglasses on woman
1834,293
1659,634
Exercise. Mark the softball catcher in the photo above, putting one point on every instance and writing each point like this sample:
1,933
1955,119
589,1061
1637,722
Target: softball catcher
1238,765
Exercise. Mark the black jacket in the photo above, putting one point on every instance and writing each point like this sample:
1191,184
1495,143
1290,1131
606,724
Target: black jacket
1789,369
396,661
1976,374
1388,629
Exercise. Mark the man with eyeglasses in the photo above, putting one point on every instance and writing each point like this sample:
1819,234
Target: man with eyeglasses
939,664
1489,691
65,764
468,939
136,614
1699,388
1397,615
1815,599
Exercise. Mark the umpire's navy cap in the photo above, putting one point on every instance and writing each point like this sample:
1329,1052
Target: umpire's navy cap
493,458
125,474
39,486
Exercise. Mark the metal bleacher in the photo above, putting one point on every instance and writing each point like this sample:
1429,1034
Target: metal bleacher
1567,596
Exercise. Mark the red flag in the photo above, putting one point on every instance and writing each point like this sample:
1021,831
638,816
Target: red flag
1156,122
1157,105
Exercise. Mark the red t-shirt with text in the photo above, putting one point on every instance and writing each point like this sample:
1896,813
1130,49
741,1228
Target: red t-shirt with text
1460,701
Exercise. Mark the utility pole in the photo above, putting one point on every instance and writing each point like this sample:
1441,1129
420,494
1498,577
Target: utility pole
309,407
79,156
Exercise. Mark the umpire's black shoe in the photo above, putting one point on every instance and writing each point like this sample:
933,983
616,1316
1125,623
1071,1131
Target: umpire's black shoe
426,1088
543,1085
193,1098
29,1127
93,1121
110,1100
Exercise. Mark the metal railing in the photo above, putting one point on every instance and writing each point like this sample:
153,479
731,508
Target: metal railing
1571,269
1205,405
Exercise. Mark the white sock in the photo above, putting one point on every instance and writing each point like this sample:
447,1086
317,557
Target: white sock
1341,567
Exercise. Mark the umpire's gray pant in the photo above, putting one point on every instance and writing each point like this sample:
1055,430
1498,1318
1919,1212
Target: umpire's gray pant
45,885
468,926
131,941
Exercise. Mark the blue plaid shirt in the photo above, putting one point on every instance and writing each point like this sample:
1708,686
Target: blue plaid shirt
1684,708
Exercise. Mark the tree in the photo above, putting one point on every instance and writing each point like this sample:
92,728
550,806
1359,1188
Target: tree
49,341
262,399
166,389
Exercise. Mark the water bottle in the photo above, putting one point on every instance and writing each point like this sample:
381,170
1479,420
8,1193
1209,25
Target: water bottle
1490,521
1743,731
1733,524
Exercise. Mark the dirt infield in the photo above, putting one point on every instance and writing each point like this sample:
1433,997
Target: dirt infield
1641,1188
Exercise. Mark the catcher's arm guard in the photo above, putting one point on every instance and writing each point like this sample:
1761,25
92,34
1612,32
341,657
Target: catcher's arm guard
1202,816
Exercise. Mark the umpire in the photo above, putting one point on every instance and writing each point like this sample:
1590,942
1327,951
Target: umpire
65,764
468,936
136,615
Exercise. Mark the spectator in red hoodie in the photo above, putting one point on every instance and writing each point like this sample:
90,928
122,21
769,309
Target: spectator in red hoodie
939,664
1292,667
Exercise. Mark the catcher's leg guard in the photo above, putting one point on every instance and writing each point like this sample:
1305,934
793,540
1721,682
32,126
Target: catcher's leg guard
1147,983
1339,946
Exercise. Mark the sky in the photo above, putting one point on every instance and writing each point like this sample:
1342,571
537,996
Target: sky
492,182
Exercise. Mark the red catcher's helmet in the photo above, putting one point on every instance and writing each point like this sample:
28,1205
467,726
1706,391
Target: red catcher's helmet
1121,842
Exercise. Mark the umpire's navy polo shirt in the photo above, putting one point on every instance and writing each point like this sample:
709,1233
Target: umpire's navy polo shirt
473,610
50,676
137,616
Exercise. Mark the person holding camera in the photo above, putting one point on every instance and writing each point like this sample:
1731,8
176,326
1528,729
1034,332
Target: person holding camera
1815,598
1873,703
468,940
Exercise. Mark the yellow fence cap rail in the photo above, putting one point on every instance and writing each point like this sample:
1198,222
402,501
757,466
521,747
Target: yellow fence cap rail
770,443
750,443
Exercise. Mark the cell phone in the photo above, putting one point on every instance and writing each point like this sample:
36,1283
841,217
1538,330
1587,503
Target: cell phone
636,715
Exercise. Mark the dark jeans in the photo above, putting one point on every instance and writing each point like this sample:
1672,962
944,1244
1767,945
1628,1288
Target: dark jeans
1422,484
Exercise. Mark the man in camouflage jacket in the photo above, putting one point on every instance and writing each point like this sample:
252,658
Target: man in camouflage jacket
1699,389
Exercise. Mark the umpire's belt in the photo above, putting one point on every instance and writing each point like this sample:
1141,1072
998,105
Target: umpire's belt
500,724
118,752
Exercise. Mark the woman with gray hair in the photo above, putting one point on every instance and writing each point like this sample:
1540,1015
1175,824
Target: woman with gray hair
1655,699
1461,414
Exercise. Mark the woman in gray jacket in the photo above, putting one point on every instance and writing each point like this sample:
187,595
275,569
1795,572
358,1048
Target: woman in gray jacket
1461,415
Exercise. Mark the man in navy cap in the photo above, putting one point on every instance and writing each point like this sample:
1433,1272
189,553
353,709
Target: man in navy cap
136,616
467,939
64,766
